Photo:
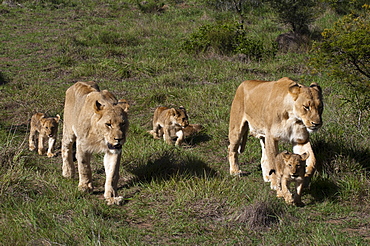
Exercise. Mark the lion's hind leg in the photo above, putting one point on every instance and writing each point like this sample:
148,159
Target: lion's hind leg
238,130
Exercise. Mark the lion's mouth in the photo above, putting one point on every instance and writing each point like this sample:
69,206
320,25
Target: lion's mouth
115,146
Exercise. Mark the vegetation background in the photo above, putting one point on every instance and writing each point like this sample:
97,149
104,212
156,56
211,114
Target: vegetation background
172,53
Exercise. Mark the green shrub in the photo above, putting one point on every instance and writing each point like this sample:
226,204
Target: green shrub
226,39
344,54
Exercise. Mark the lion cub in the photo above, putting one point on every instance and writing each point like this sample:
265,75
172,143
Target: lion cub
43,128
289,167
167,121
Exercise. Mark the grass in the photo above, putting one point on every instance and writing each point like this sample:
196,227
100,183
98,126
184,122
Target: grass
172,196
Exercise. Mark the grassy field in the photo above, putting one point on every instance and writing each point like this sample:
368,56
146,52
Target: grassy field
173,196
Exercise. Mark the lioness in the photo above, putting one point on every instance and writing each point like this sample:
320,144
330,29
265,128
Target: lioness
97,122
289,167
43,129
167,121
274,111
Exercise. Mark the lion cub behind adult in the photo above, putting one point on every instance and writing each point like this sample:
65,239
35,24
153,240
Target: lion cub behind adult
166,121
289,167
43,129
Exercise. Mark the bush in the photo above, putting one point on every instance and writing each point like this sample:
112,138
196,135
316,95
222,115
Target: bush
344,54
227,39
347,6
296,13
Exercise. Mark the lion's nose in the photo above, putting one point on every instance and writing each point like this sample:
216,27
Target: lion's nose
119,140
315,124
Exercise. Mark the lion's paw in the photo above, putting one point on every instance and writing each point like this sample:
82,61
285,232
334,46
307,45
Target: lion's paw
50,155
118,200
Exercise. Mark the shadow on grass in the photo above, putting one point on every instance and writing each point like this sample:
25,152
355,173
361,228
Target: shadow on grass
3,79
333,159
170,163
328,152
198,138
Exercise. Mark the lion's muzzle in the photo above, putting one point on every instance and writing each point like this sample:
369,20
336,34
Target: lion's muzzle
114,146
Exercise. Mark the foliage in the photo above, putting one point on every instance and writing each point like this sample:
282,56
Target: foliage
346,6
344,54
227,39
299,14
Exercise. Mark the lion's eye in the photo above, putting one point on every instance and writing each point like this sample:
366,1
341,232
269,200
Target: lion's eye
108,125
306,107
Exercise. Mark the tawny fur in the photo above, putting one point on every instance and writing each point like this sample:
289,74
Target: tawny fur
43,129
289,168
98,123
274,111
169,121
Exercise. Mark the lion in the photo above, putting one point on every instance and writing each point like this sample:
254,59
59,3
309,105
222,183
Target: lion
97,122
186,131
274,111
42,129
289,167
168,122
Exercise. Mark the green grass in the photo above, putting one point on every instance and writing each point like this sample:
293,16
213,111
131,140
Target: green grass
172,196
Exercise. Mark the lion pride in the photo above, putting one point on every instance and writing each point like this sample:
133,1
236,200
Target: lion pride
274,111
97,122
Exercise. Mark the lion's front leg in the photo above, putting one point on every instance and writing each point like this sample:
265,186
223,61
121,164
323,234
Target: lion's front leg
167,135
269,151
279,191
311,161
111,165
40,147
156,132
31,140
180,137
298,195
286,192
84,169
51,147
68,168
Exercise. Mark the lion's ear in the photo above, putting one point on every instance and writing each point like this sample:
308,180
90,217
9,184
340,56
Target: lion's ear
316,86
57,118
182,108
124,104
286,155
98,106
173,111
305,156
294,90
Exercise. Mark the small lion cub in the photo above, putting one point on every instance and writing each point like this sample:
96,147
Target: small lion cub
167,121
289,167
43,128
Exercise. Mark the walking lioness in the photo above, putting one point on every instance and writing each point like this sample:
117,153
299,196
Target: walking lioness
274,111
97,122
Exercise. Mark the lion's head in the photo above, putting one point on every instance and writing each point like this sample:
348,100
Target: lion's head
49,126
294,164
112,123
308,105
179,116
